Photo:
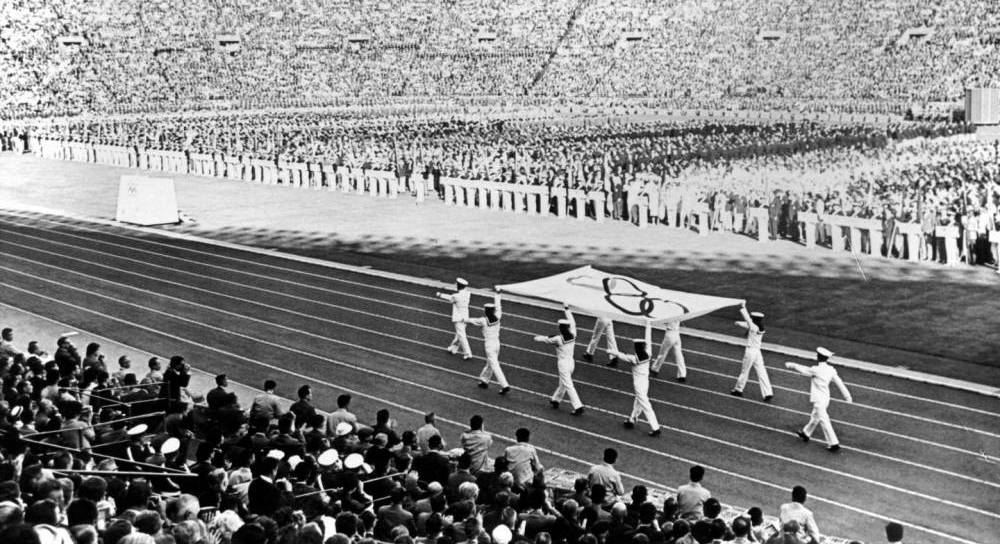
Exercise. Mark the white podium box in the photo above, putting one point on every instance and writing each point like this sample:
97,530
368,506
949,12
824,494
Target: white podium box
146,201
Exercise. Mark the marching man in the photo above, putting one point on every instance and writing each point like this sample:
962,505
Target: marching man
752,357
459,313
640,381
491,335
671,344
819,395
603,327
564,342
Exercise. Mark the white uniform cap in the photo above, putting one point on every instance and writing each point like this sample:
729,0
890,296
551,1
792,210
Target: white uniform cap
293,461
756,314
824,352
563,322
276,454
343,428
138,429
171,445
328,458
461,281
502,534
356,461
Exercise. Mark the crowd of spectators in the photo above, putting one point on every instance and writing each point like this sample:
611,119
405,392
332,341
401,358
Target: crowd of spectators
928,173
92,453
884,56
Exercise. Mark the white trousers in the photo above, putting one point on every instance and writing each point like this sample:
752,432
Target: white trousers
753,358
671,344
603,328
492,367
461,341
566,387
641,404
821,418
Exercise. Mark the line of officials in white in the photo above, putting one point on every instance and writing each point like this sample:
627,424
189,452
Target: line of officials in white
640,359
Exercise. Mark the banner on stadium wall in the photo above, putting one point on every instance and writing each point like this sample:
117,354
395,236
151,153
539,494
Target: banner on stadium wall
146,201
619,297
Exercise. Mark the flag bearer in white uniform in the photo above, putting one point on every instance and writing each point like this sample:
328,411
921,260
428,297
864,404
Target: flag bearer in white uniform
640,382
819,395
671,344
603,327
565,342
491,335
752,357
459,313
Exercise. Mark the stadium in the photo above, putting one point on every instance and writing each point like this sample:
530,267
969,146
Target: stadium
499,272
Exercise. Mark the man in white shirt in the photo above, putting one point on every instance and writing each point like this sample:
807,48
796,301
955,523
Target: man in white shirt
459,313
797,512
691,497
640,382
522,459
671,344
425,433
604,326
606,474
476,442
752,356
819,395
491,338
564,342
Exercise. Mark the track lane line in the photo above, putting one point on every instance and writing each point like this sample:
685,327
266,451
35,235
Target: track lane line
367,330
277,254
799,391
474,401
817,468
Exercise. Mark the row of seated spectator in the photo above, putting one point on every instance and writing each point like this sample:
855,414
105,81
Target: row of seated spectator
689,52
208,469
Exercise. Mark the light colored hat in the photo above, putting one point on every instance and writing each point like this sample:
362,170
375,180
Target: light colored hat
328,458
170,445
357,461
824,352
462,281
563,322
343,428
276,454
294,461
756,314
138,429
502,534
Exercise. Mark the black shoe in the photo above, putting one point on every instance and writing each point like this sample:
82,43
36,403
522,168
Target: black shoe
483,385
628,424
613,362
802,436
736,393
588,357
768,398
681,379
655,433
554,404
578,411
834,448
505,390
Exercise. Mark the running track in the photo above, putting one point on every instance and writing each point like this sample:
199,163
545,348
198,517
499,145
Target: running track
921,454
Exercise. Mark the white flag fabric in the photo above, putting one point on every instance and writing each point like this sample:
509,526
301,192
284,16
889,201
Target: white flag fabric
621,298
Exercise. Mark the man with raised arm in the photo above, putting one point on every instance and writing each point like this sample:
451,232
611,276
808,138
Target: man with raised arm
752,357
564,342
491,335
819,395
459,313
640,381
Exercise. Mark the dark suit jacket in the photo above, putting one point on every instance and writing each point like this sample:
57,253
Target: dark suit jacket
264,498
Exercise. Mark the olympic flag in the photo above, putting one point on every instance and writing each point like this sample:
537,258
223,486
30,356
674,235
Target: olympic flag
146,201
621,298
